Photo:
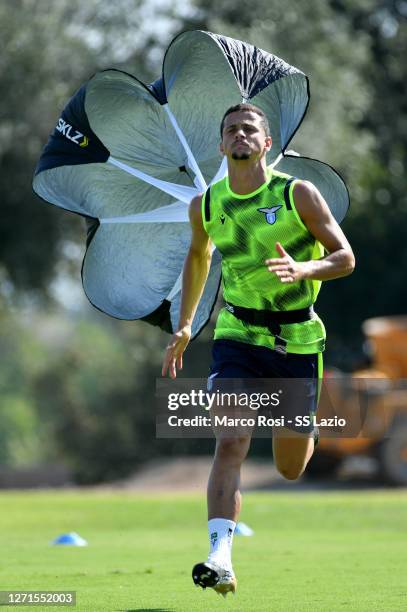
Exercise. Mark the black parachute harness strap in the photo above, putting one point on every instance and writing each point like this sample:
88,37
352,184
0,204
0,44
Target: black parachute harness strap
287,192
207,202
272,319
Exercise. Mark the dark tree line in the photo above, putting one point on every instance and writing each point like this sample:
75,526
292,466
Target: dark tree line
57,403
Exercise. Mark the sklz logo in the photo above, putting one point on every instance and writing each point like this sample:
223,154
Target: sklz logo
270,213
71,134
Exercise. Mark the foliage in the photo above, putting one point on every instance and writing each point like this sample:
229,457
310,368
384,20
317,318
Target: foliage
82,392
94,398
21,435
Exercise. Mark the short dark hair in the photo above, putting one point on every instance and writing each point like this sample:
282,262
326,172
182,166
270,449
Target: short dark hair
246,107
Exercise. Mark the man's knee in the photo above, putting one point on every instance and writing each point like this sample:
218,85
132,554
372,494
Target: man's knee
232,449
291,470
291,455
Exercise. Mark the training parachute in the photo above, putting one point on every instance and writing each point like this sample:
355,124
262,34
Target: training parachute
129,157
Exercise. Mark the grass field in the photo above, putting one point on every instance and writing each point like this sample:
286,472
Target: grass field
310,552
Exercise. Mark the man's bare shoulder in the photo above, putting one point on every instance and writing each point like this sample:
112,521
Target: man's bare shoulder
195,209
305,190
196,203
195,213
308,200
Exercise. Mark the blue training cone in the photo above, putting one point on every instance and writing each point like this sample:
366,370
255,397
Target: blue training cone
243,529
70,539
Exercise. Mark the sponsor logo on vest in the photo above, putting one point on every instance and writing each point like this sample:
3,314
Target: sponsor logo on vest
270,213
71,134
222,218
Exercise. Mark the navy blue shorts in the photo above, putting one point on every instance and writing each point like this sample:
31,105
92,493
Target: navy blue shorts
243,363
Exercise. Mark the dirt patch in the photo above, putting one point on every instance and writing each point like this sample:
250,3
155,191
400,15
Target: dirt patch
191,474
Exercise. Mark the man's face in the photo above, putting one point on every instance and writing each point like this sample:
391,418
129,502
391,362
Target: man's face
244,137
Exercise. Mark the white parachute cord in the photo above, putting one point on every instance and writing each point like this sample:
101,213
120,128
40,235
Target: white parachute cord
176,288
276,161
173,213
199,180
180,192
222,172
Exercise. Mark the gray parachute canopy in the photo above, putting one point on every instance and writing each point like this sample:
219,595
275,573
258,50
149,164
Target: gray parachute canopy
130,157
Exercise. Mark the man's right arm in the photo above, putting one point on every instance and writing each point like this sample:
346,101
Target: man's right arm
195,273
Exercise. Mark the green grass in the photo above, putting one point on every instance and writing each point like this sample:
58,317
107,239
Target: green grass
310,552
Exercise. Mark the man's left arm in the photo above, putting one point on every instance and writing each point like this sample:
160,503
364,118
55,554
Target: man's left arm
316,216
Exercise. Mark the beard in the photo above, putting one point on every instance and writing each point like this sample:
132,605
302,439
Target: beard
241,156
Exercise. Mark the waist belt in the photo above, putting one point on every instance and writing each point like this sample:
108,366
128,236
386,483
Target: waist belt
270,318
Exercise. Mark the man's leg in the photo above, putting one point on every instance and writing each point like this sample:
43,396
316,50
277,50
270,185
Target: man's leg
224,498
301,379
292,451
224,503
229,368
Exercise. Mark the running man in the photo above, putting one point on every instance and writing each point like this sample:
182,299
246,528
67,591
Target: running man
278,241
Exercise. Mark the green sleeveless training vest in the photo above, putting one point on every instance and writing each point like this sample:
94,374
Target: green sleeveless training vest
245,229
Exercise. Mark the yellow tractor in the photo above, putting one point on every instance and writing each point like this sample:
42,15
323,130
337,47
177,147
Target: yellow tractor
368,407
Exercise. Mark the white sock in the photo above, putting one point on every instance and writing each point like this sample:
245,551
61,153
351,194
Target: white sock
220,541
